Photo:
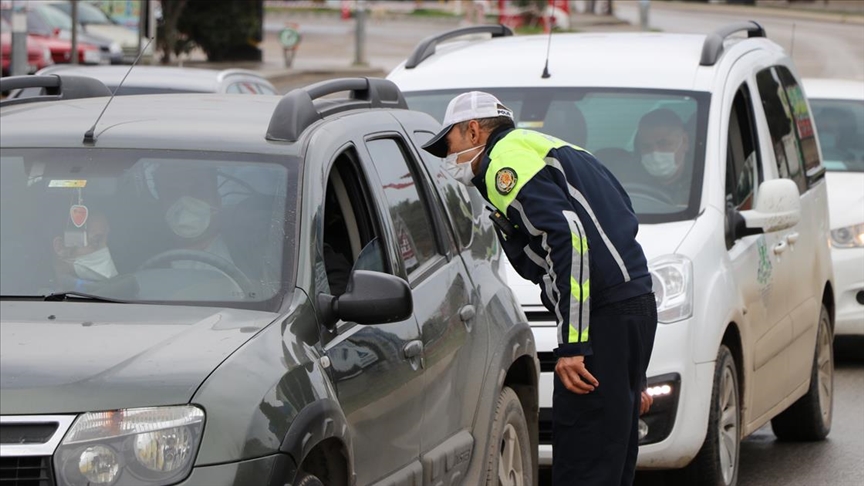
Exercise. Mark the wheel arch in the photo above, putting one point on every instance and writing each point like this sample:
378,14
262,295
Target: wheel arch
319,442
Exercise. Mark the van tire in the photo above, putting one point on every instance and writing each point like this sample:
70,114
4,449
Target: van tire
509,434
306,479
809,418
708,467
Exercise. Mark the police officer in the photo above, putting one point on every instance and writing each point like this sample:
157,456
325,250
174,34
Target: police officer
567,225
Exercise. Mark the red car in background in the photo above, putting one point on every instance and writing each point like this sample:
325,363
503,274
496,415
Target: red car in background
44,51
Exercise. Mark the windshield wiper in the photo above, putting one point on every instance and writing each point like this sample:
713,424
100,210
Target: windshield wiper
64,296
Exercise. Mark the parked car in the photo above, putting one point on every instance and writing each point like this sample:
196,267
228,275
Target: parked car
38,54
46,22
734,226
838,110
232,290
165,79
95,21
59,49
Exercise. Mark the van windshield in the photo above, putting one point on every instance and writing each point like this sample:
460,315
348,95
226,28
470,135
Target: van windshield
653,141
155,226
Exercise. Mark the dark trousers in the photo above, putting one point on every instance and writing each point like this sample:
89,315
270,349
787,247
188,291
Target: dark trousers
595,436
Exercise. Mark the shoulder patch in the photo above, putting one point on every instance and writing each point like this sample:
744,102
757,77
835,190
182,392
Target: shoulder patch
505,180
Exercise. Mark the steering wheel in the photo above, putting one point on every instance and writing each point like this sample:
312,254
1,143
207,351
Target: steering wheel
648,191
215,261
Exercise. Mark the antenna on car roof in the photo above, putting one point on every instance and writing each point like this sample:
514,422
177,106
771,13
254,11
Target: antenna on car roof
548,46
90,135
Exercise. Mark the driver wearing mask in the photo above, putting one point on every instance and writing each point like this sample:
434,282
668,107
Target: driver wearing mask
191,204
662,145
81,263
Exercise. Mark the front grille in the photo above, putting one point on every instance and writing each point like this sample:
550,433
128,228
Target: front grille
545,425
547,361
540,316
26,471
24,433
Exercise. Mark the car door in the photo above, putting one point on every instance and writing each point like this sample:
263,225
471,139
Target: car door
759,266
805,291
443,303
376,369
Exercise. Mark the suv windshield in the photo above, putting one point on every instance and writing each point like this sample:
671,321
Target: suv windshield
840,124
147,225
653,141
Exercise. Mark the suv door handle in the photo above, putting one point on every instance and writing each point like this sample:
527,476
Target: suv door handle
780,248
413,349
792,238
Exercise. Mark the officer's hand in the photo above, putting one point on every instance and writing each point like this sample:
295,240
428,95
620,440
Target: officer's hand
573,374
647,401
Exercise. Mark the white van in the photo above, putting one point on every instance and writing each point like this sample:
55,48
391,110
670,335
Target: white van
737,240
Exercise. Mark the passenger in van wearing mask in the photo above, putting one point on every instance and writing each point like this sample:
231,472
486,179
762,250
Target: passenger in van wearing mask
662,145
81,262
191,204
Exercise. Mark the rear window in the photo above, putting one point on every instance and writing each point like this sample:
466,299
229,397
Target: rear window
652,141
840,127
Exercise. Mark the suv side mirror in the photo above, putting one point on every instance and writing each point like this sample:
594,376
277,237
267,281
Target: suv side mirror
371,298
778,207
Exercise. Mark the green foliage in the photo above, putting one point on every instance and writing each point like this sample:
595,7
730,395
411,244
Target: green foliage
219,28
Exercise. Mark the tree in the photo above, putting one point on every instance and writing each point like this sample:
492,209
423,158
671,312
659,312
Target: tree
225,30
169,40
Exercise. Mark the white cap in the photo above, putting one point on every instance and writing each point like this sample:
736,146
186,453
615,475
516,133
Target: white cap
472,105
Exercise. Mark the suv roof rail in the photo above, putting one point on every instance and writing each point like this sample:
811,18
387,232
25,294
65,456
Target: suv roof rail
57,87
426,47
713,46
298,109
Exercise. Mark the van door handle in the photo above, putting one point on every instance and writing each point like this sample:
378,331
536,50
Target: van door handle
792,238
467,313
413,349
780,248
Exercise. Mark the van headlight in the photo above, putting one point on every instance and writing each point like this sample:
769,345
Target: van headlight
848,237
672,278
137,447
114,48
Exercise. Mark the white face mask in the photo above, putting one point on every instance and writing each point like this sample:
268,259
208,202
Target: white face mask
95,266
660,164
188,217
462,172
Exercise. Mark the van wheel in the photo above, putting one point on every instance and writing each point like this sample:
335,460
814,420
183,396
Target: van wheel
508,461
810,417
717,461
309,480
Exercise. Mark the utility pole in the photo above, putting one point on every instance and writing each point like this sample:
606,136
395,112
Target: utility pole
360,33
74,15
644,8
18,61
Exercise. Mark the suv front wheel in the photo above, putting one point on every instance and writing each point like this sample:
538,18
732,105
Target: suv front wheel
509,457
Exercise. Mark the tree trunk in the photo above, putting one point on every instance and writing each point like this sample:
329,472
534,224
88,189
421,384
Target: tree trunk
171,12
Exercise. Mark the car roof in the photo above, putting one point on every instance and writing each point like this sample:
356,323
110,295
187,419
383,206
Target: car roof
167,77
625,60
217,122
833,89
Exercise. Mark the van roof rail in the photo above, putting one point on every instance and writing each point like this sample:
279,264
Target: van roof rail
426,47
302,107
712,48
55,86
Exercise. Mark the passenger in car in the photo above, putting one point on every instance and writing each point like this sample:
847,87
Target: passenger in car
81,255
663,147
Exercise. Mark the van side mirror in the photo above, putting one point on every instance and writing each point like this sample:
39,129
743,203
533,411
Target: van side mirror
370,298
778,207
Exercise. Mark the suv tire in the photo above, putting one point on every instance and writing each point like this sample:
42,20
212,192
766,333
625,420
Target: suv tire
509,457
717,463
809,418
309,480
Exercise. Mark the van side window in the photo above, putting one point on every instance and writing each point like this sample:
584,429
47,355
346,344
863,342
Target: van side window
803,120
784,140
409,210
743,167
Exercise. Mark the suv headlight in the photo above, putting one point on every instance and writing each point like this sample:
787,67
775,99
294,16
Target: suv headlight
137,446
672,278
848,237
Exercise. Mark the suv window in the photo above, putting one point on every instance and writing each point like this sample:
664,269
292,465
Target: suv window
636,133
743,168
784,140
408,209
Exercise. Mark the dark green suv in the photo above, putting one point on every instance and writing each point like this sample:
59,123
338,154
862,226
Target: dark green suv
228,290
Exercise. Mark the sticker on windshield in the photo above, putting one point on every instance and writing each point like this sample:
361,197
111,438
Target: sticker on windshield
79,183
79,214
